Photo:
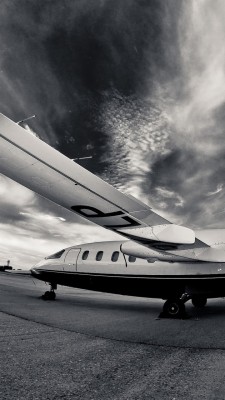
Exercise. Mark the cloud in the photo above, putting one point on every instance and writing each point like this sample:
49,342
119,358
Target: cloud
137,85
218,190
28,236
25,245
32,227
168,194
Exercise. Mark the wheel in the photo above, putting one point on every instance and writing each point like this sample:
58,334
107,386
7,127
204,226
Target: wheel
199,301
174,308
49,295
52,295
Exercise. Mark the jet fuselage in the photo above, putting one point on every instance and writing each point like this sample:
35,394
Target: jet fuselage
103,267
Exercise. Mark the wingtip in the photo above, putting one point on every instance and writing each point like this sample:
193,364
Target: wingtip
174,234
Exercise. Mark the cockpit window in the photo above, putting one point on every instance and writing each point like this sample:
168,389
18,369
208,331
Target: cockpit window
99,255
55,255
85,255
132,259
115,256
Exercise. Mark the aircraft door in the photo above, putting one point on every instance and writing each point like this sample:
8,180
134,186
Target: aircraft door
71,260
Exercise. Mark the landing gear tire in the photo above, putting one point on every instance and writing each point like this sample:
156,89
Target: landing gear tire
199,302
174,308
49,295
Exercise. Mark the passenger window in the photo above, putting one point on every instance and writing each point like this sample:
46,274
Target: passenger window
131,259
115,256
85,255
99,255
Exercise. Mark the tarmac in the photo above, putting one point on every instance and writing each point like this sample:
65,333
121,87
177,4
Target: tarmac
98,346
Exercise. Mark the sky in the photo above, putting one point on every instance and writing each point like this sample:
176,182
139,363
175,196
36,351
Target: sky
136,84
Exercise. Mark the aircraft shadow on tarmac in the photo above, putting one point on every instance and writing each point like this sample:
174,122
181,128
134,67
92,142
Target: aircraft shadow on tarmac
152,307
104,302
78,300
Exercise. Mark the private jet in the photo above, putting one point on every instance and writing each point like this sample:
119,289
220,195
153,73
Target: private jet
157,259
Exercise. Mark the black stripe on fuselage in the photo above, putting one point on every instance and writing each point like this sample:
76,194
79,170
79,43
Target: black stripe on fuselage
124,276
154,286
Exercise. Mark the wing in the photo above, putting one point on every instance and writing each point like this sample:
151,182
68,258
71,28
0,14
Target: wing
36,165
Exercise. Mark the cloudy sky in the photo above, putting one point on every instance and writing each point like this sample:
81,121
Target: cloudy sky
136,84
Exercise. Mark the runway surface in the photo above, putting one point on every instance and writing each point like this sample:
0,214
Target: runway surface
91,345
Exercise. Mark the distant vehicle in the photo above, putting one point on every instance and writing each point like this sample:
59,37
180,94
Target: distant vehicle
177,263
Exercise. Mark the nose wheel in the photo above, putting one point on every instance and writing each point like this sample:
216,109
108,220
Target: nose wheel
50,294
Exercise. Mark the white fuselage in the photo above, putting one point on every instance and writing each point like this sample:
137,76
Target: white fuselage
102,266
71,261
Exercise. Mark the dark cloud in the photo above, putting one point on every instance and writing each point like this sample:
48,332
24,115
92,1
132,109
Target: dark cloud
64,61
189,185
137,84
59,58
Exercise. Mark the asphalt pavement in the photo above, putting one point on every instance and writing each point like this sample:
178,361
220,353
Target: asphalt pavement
91,345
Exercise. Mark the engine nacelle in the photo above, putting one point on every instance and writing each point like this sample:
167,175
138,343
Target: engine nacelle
131,248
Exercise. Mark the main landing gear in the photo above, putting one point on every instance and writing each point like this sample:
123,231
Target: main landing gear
50,295
199,301
175,307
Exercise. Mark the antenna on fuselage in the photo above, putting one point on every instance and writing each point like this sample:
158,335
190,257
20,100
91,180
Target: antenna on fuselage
81,158
24,120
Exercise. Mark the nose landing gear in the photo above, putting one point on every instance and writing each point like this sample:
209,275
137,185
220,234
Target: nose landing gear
50,295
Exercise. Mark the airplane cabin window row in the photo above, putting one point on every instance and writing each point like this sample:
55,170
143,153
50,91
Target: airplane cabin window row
114,257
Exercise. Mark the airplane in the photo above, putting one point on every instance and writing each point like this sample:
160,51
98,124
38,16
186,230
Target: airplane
158,259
